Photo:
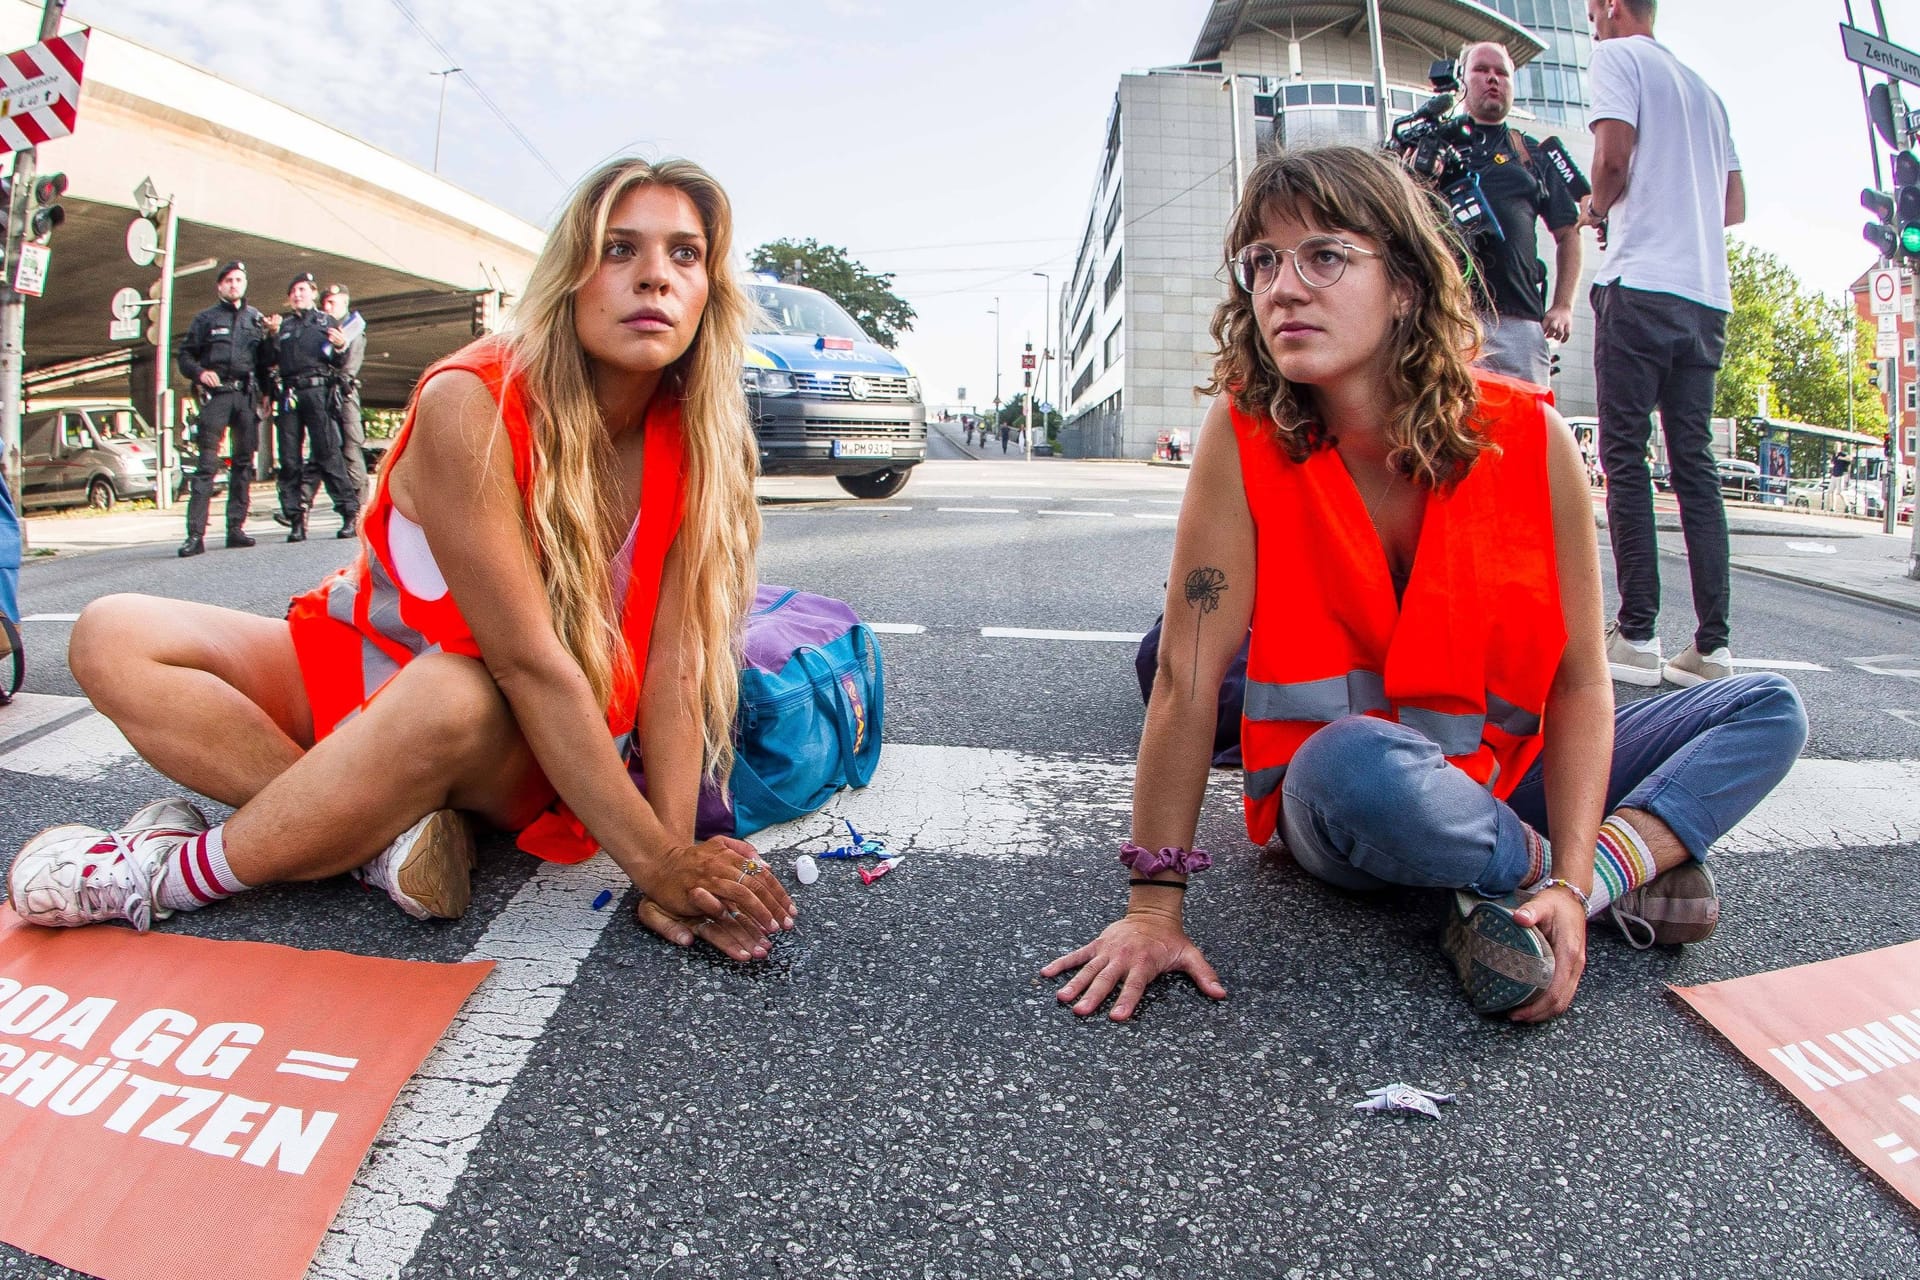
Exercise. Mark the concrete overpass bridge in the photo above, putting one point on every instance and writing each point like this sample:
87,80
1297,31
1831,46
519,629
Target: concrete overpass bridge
253,179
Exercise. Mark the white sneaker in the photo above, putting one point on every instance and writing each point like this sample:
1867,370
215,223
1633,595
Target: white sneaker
1633,661
426,869
1693,667
74,875
176,813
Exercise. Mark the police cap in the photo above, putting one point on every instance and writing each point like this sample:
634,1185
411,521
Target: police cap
229,269
305,277
335,290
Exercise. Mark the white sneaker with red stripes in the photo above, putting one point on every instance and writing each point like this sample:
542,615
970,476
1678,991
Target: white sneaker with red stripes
73,875
176,813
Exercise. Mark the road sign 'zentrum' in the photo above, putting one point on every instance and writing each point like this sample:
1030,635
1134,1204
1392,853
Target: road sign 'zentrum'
40,90
1882,55
1883,291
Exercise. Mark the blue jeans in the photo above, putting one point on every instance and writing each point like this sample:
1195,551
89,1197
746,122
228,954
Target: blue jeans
1369,803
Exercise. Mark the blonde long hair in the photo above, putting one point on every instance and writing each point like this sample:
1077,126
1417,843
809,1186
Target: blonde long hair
1432,427
576,523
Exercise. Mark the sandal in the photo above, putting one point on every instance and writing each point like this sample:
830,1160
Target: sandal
1502,964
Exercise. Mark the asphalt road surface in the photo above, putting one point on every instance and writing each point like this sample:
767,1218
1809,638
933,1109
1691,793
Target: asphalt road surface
895,1092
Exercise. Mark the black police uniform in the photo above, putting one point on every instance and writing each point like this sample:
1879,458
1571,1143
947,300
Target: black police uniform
343,402
305,371
1521,189
231,341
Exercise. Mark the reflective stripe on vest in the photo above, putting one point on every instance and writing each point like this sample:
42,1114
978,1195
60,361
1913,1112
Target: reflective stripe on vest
1361,693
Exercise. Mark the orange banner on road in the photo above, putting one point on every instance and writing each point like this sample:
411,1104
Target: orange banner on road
1843,1036
172,1106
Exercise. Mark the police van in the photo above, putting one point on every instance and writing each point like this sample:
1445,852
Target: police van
827,400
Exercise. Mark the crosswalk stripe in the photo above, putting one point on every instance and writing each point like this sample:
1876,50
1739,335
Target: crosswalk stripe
1822,804
51,617
1033,633
536,943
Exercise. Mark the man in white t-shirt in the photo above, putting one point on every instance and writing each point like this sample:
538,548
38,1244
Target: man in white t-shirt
1666,185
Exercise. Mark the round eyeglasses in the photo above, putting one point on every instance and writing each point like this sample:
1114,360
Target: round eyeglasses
1320,261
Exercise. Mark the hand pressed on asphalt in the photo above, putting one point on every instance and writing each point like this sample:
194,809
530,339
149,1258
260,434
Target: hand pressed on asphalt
735,939
720,879
1129,954
1559,915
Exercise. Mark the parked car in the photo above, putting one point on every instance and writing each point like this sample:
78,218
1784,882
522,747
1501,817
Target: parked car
1738,478
94,455
1662,475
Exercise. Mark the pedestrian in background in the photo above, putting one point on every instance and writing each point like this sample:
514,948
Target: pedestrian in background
1427,702
1666,185
1006,436
227,356
305,360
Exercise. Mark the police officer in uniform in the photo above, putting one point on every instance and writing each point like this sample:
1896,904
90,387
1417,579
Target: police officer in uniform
226,356
306,362
352,345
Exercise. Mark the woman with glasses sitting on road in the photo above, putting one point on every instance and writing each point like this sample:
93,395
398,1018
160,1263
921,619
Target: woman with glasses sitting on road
1428,702
553,574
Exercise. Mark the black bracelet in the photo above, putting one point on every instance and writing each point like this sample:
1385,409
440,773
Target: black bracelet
1181,885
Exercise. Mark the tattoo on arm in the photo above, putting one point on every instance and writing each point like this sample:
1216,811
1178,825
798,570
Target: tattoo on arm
1203,587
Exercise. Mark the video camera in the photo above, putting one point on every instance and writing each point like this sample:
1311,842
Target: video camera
1429,142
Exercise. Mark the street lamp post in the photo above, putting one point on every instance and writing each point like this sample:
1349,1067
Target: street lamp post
1046,352
441,116
995,313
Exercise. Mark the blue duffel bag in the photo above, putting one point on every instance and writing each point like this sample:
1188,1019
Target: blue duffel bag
809,719
812,705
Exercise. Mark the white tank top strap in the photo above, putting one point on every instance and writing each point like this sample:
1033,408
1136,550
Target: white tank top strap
418,573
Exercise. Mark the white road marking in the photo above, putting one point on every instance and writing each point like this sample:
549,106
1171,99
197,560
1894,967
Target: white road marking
51,617
1905,717
1904,665
1089,515
1122,500
1167,502
1812,548
981,511
1026,633
1834,804
896,628
537,943
1778,664
1153,515
865,507
55,737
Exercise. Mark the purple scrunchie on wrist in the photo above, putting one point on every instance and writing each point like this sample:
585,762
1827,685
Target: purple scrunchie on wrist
1148,863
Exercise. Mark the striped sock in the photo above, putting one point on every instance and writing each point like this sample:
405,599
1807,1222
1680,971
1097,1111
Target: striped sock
197,873
1621,862
1539,860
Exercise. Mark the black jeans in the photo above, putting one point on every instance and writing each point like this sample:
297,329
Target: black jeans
305,413
1659,351
221,411
353,451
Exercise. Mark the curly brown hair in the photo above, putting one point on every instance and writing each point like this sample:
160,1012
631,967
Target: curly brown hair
1432,430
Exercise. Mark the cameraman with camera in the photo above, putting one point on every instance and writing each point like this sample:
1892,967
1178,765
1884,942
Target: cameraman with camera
1523,182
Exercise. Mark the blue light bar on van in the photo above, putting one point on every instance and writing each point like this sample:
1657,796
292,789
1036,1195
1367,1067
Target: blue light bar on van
834,344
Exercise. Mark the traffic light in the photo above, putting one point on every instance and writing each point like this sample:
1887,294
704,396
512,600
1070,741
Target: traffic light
1906,203
153,312
484,308
1883,235
1873,375
47,213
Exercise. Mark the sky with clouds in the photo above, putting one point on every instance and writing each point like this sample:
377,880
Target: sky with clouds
952,144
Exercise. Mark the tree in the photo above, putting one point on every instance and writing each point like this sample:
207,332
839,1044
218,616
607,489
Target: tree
867,295
1792,341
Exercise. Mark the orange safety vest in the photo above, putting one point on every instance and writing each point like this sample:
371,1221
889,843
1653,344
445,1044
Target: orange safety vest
359,627
1466,659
